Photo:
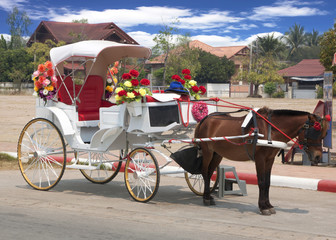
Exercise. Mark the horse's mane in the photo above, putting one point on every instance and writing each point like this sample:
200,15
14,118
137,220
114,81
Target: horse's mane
287,112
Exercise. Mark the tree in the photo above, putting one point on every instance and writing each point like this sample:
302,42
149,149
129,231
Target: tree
41,51
3,43
165,43
269,45
214,69
295,39
79,36
313,38
18,25
263,70
328,48
182,57
15,65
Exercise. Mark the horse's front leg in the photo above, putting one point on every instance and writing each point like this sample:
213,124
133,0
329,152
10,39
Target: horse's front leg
264,180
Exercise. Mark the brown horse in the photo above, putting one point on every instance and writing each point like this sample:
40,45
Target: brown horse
309,128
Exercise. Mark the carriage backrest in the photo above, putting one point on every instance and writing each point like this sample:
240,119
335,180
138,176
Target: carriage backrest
63,95
91,98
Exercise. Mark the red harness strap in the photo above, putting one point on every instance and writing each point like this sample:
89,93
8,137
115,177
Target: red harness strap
234,105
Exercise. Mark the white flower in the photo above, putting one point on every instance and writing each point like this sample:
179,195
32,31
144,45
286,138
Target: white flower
109,80
45,92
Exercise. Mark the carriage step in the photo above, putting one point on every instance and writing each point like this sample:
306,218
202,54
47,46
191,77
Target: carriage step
226,184
83,167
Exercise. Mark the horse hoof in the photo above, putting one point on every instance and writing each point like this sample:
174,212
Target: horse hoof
272,211
209,202
265,212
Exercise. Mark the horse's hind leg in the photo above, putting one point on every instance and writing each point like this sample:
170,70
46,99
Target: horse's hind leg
207,174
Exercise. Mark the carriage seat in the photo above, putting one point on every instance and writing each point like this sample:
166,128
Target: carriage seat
63,95
90,97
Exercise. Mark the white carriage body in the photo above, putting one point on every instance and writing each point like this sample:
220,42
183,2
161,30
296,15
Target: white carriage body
116,125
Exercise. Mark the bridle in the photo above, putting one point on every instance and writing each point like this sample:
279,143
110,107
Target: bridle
312,131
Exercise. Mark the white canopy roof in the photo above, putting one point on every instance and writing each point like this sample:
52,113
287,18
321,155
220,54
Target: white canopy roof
111,51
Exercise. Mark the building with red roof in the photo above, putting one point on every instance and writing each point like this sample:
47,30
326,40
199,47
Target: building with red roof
70,32
303,77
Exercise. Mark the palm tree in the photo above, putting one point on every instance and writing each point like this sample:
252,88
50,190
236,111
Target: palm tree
270,45
295,39
313,38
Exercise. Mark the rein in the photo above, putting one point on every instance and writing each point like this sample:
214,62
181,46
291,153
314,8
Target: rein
238,106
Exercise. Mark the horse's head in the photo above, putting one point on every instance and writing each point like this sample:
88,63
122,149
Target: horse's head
311,135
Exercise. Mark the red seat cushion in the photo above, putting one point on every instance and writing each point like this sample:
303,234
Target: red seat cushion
63,94
91,99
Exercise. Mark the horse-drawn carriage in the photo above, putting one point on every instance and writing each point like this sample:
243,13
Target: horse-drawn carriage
101,137
78,128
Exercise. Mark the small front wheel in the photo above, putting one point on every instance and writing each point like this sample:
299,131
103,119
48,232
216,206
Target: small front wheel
196,182
142,175
41,154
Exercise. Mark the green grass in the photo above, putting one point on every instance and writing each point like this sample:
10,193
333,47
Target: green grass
7,157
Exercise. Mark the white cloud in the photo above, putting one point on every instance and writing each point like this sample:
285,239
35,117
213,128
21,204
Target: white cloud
271,25
6,36
223,41
154,16
286,9
126,17
143,38
8,5
218,41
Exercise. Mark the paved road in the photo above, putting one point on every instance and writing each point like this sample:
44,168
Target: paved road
78,209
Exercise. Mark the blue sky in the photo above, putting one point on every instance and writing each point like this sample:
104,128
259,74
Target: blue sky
215,22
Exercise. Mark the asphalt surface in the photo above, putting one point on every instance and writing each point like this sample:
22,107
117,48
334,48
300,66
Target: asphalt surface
78,209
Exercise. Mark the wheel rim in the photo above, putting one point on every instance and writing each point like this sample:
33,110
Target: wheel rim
108,167
196,183
142,175
41,154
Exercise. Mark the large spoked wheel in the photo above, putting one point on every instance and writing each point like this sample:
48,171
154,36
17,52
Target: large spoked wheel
196,182
41,154
107,167
142,175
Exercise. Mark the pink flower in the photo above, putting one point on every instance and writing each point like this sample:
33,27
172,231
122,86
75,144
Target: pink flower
36,73
46,82
199,110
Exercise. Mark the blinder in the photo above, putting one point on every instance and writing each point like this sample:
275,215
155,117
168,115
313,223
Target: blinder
312,131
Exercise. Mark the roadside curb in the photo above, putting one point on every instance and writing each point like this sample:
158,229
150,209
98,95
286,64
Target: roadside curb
322,185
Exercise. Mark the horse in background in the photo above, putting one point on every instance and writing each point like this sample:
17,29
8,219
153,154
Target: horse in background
309,128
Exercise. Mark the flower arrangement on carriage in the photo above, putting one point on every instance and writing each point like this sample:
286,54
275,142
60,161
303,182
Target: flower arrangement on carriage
45,81
130,89
189,84
111,80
